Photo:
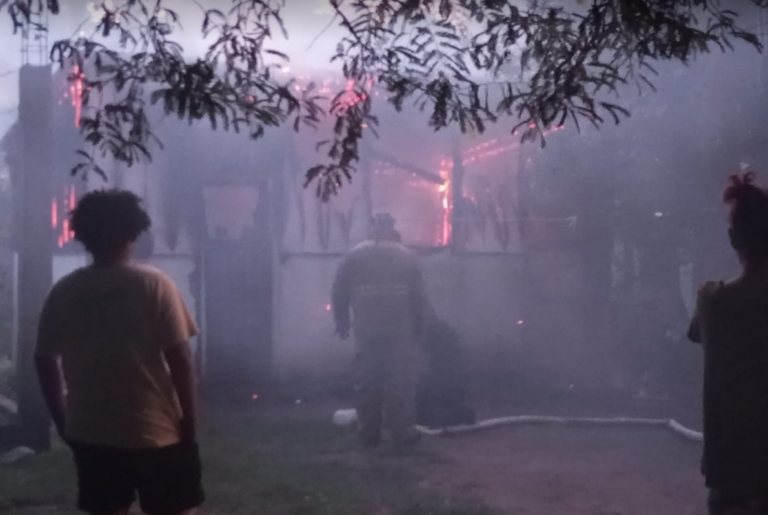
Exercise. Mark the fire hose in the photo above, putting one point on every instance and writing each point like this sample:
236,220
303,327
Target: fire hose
349,417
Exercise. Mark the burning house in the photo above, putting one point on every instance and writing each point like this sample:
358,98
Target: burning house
254,252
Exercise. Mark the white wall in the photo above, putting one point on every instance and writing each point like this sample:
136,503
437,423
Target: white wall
66,264
480,295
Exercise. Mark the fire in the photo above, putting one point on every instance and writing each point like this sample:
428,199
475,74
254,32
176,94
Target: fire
444,191
72,198
76,92
475,154
68,204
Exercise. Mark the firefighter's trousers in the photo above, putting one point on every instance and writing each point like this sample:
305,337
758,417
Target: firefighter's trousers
386,389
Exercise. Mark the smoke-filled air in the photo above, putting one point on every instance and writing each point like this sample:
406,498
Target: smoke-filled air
384,257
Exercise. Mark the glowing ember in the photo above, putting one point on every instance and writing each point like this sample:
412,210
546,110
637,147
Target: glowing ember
520,322
66,233
54,214
327,307
255,397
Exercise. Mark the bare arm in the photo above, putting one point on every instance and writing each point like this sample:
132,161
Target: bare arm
704,300
52,384
174,330
182,369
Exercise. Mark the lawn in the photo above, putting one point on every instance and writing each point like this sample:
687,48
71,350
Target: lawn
268,462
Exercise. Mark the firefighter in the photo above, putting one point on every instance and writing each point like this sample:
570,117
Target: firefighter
381,286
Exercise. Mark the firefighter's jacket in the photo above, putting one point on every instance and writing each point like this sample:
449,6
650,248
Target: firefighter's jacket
380,284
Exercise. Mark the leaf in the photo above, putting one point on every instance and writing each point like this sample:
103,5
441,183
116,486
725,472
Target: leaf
212,116
277,53
446,9
78,168
615,111
156,96
84,154
313,173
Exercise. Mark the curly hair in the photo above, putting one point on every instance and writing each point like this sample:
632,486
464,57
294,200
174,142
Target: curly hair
106,220
749,216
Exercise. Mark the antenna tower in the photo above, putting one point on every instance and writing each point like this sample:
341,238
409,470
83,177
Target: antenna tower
34,38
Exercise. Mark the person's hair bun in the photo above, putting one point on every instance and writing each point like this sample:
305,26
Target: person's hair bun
742,188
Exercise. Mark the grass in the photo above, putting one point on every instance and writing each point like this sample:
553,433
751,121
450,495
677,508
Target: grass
37,482
259,463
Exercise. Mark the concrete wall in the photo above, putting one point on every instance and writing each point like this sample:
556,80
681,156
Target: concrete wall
305,343
479,294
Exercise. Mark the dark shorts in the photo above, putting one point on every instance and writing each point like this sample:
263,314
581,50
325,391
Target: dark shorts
167,480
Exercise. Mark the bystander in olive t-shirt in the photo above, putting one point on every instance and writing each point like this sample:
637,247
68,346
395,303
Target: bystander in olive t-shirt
110,327
731,321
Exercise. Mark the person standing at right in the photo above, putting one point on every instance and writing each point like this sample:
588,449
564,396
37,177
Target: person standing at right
731,321
380,282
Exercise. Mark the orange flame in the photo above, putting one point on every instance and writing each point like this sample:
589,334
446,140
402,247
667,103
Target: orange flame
76,91
444,190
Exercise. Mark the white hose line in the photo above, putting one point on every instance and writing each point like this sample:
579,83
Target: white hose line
522,420
683,431
349,417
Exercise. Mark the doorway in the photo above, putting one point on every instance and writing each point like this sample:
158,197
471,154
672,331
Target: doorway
237,263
